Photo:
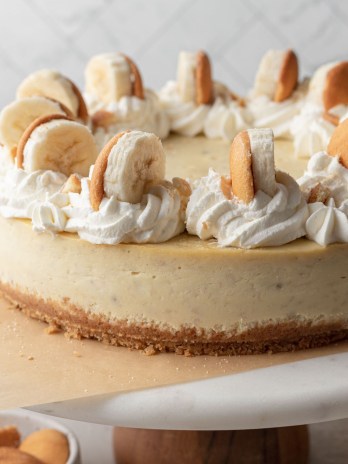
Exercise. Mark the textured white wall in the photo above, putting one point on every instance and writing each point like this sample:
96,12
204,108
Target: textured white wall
63,34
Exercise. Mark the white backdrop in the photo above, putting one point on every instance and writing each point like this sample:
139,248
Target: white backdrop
63,34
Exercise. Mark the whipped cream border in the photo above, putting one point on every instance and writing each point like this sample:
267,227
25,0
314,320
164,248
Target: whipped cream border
266,221
223,119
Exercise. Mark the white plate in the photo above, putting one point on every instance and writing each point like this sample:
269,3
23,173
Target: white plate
304,392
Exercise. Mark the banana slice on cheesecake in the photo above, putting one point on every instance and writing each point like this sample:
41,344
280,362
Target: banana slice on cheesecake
126,198
111,76
326,105
329,87
18,115
127,164
194,78
277,75
255,206
57,143
252,164
117,99
52,84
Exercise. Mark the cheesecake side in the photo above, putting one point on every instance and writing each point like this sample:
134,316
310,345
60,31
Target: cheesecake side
185,294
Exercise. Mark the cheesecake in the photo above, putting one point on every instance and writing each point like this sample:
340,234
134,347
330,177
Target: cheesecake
185,295
105,237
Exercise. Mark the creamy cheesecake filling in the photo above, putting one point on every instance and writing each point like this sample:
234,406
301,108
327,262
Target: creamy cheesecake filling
183,292
182,283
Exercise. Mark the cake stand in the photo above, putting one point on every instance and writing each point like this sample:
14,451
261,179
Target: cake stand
278,398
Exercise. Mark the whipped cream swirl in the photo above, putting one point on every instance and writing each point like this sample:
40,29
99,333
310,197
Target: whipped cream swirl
130,112
278,116
48,216
224,119
6,160
310,131
265,221
157,218
330,173
327,223
21,191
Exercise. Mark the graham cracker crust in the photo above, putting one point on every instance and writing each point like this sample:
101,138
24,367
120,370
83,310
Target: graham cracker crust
275,337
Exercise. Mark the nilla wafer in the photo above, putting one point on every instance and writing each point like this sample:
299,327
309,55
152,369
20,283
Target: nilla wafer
9,436
72,185
277,75
112,76
252,164
319,193
96,190
288,77
204,82
336,86
194,78
29,130
331,118
241,168
136,80
47,445
338,145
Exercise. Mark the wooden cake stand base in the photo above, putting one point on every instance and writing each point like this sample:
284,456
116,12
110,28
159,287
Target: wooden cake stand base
285,445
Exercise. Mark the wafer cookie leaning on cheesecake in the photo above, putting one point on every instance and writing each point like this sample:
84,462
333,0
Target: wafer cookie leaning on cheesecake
117,99
254,206
277,94
127,199
196,104
325,186
52,148
326,105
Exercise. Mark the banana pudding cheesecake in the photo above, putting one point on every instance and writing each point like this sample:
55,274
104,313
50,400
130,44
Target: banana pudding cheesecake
198,245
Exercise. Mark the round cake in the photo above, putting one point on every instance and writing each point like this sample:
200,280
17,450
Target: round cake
118,253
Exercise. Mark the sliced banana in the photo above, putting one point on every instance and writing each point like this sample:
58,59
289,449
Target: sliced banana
338,145
252,164
277,75
111,76
318,82
18,115
186,76
262,156
52,84
194,78
57,143
127,164
329,86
